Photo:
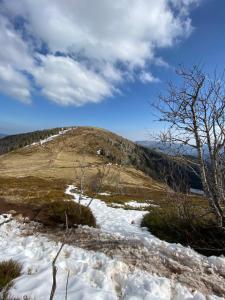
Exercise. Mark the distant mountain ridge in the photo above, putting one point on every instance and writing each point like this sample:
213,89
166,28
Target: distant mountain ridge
2,135
168,149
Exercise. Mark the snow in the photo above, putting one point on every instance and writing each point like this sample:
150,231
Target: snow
133,204
112,220
93,275
104,194
50,138
117,205
98,152
137,204
196,191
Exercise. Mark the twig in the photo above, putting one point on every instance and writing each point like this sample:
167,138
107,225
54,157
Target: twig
67,281
54,272
66,216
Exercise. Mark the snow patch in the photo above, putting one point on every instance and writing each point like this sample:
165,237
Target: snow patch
99,152
126,224
93,275
104,194
50,138
139,204
196,191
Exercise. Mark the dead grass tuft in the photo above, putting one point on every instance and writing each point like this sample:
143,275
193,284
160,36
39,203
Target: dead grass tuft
9,270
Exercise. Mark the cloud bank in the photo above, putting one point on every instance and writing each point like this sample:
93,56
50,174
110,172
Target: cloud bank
75,52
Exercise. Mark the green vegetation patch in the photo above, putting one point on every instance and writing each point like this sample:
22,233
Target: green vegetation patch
189,224
65,212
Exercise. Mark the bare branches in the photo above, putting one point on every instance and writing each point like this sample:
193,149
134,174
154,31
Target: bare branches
195,113
54,273
93,178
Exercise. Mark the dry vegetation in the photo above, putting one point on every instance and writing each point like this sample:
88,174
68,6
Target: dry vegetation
187,220
32,190
47,169
9,270
42,200
60,158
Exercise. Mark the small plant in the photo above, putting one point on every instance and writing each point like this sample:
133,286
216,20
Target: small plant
57,212
9,270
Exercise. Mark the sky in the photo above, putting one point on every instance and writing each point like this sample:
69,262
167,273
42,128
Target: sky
101,62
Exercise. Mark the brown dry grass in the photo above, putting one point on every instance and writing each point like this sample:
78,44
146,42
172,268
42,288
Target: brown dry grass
42,200
9,270
60,158
32,190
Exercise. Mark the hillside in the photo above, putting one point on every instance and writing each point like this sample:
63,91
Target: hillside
59,157
16,141
62,156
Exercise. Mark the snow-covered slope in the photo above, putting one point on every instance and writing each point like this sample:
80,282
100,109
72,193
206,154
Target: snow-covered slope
93,275
126,223
50,138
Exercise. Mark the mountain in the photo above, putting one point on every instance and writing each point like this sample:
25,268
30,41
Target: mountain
61,155
168,149
2,135
13,142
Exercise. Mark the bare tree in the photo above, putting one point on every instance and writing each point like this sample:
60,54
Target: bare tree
92,179
195,112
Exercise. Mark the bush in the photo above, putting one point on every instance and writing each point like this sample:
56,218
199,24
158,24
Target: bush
189,228
55,213
9,270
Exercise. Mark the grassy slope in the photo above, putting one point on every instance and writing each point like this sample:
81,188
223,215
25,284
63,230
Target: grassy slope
36,175
42,200
61,158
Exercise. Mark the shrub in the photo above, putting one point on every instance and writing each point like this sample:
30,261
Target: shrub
9,270
56,211
189,228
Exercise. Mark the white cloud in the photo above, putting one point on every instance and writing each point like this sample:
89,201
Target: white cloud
68,82
14,58
110,30
107,42
147,77
14,83
13,50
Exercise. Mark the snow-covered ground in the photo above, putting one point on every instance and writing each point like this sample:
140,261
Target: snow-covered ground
133,204
196,191
93,275
104,194
137,204
50,138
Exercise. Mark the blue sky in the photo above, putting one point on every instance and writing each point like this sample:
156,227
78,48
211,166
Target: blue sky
49,81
